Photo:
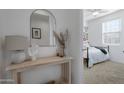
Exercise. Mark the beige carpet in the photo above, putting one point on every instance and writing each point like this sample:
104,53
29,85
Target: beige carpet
104,73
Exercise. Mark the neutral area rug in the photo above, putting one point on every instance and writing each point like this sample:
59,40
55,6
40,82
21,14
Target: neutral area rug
104,73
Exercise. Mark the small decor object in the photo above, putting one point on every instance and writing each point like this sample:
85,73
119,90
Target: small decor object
36,33
33,52
60,51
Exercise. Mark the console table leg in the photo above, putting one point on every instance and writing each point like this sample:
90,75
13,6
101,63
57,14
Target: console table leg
69,73
16,76
66,72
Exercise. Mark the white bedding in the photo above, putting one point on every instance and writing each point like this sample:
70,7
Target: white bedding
95,56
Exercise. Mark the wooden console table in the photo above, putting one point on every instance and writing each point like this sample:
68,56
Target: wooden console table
65,63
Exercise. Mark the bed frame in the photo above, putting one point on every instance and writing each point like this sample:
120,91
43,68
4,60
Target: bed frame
87,59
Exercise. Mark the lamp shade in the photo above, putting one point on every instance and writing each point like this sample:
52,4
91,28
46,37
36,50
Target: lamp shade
14,42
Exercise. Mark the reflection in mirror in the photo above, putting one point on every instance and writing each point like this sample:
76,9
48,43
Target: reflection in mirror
43,23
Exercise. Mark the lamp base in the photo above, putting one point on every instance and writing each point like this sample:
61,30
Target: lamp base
18,57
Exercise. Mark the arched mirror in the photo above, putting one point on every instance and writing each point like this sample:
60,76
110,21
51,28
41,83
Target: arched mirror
43,23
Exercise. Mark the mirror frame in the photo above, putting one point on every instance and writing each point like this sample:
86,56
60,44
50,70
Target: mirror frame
54,18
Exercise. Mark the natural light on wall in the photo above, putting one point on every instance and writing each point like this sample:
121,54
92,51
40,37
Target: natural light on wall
111,32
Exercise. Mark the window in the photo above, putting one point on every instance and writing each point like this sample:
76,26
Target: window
111,32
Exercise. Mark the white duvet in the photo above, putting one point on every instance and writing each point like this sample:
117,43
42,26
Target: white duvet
96,56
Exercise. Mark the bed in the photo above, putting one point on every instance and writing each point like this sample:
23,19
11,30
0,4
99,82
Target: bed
95,54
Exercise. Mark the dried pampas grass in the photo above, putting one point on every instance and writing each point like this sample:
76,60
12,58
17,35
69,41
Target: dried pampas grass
61,38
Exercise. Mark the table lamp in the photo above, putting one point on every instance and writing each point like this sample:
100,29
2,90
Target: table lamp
17,45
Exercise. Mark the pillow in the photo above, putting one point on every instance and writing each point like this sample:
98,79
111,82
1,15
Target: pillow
102,50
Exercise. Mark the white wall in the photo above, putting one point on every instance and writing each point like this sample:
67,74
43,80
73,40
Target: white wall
75,24
95,35
1,55
17,22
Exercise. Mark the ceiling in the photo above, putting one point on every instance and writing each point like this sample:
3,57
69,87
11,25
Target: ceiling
90,14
